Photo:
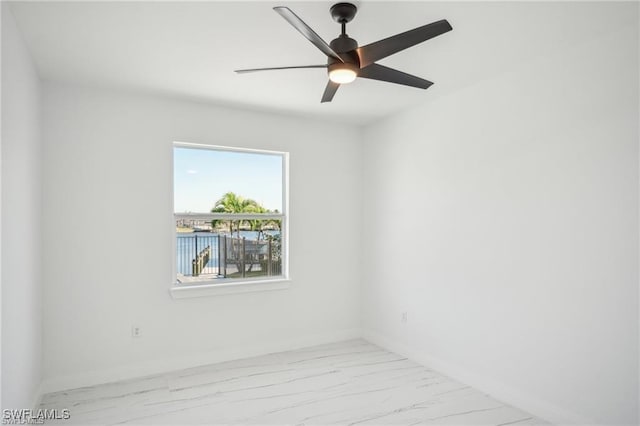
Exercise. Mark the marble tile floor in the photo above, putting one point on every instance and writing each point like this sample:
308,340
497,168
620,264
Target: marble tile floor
347,383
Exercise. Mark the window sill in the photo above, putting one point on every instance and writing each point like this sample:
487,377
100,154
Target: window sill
221,289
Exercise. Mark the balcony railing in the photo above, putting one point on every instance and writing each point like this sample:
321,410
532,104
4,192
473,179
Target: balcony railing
209,256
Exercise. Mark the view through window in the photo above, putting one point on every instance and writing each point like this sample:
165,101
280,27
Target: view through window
230,213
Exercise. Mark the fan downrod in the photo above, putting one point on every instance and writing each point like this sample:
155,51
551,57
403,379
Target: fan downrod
343,12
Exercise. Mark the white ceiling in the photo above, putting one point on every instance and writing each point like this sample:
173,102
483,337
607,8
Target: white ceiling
190,49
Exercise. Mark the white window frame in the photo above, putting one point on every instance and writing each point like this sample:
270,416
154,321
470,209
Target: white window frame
221,286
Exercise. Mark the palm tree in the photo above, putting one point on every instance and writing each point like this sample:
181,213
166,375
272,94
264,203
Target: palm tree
233,203
257,225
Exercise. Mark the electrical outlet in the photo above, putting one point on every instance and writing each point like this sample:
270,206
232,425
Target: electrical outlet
135,331
404,318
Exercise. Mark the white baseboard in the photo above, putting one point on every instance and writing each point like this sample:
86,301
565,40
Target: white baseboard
539,408
91,378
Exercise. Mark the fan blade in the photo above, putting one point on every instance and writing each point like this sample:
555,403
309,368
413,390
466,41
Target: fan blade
279,68
306,31
329,91
380,72
381,49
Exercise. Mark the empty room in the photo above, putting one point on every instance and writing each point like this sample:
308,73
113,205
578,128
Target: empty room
320,213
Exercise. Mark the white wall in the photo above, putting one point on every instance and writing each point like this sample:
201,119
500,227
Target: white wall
21,212
506,220
108,230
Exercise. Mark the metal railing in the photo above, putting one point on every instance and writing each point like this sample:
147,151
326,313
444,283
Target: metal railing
243,258
197,255
204,257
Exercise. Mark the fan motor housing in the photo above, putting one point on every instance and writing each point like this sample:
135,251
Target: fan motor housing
343,44
345,47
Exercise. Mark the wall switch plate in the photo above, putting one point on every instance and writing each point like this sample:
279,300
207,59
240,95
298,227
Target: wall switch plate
404,318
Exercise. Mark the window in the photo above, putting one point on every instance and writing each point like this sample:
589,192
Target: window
230,211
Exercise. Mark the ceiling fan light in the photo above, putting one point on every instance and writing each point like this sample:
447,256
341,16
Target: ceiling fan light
342,75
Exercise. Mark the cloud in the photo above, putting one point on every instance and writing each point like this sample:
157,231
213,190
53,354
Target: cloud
192,172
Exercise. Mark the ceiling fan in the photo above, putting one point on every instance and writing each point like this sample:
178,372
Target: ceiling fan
346,61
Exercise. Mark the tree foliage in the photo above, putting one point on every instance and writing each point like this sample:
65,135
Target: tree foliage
234,203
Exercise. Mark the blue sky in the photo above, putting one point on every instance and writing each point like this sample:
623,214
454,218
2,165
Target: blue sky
202,176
